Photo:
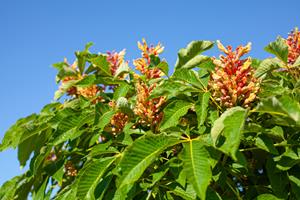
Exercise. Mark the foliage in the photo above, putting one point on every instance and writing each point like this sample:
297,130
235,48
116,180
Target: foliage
224,128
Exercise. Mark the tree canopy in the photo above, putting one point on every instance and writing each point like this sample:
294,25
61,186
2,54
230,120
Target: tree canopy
216,128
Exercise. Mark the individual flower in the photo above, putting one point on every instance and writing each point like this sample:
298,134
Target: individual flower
52,157
115,60
233,82
148,109
293,42
142,64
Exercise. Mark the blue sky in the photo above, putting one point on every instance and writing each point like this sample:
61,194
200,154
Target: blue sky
36,34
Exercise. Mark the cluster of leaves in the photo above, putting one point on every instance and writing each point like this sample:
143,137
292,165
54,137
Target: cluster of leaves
102,142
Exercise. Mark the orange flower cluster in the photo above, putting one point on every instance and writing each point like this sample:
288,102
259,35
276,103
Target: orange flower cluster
116,60
142,64
148,109
118,122
293,42
233,82
89,92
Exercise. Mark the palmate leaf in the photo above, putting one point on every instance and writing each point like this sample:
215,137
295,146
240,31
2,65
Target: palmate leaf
69,126
188,57
26,148
171,89
189,76
196,164
267,65
14,133
283,106
138,157
173,112
226,132
101,63
8,189
91,176
279,48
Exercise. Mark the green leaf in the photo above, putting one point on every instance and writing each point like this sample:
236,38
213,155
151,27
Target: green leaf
267,197
291,107
284,106
86,81
173,112
91,176
58,175
287,160
33,137
82,57
8,189
294,177
196,164
41,191
189,58
212,195
276,132
187,194
265,143
24,187
138,157
101,63
170,89
164,67
25,149
266,66
103,186
201,108
226,132
68,193
278,179
279,48
68,135
121,91
189,76
14,133
105,119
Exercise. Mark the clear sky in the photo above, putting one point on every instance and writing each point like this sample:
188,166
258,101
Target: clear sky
36,34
